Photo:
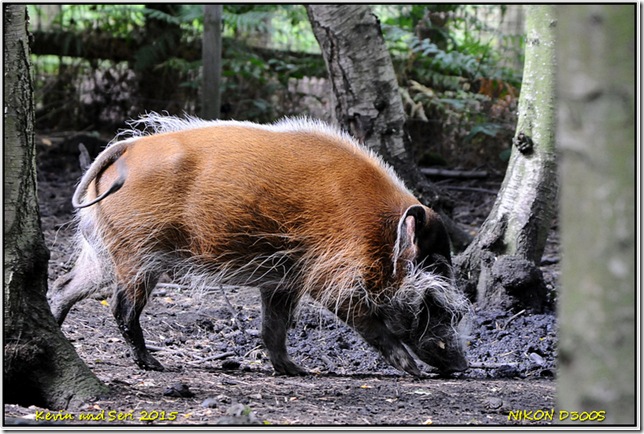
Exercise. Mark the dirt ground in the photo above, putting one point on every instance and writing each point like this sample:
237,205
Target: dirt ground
218,372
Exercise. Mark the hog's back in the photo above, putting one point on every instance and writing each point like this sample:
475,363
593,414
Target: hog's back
216,190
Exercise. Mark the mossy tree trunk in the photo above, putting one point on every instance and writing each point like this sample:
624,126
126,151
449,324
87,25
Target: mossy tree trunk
596,130
41,367
367,100
500,267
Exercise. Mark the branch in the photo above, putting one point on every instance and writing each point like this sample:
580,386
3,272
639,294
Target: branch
93,46
451,173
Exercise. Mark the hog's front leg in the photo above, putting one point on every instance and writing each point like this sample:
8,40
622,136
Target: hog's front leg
373,329
277,314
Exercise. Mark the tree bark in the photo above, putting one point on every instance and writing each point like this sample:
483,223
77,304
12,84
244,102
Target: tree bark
596,130
211,60
41,367
500,267
367,101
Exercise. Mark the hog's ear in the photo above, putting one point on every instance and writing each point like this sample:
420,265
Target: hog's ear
406,247
422,238
434,245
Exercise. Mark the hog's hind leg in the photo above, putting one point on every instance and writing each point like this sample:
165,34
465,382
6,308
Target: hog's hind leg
127,305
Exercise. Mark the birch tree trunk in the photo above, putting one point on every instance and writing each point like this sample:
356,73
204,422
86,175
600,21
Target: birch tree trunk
367,101
596,129
500,267
41,367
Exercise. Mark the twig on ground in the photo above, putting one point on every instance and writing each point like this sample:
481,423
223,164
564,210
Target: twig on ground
512,318
211,358
491,365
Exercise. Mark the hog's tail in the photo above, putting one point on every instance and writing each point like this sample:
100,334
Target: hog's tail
104,160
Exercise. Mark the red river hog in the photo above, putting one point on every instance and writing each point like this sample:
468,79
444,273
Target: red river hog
296,209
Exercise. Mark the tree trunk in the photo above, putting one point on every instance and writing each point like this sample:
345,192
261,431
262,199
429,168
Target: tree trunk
500,267
41,367
367,101
596,129
211,59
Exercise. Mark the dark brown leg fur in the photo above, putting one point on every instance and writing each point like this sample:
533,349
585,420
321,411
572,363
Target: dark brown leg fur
277,315
127,313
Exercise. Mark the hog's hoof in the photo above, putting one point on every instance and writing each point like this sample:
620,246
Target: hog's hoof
289,368
400,359
413,370
149,363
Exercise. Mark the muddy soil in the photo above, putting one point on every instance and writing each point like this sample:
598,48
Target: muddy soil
218,372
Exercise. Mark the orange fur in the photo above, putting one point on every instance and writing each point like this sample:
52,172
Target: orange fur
217,190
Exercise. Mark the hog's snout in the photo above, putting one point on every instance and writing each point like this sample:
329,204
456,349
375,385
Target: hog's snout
446,355
457,365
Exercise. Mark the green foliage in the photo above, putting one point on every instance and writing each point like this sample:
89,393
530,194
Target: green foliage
457,50
247,21
116,19
283,27
449,61
447,58
251,78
